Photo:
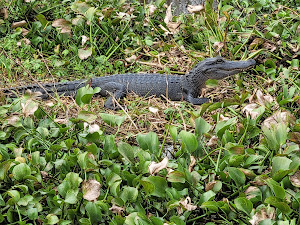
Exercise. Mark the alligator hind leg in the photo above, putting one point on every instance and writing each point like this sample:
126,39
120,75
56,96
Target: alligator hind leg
114,90
196,101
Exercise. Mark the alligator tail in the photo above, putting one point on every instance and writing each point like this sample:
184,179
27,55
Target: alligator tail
46,90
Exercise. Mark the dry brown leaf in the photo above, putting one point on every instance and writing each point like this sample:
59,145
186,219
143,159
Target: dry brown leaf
210,185
153,110
24,32
269,46
224,118
263,214
279,117
249,190
4,12
187,204
249,110
29,107
152,9
91,190
131,59
295,179
213,141
156,167
218,46
19,24
26,41
93,128
84,39
255,43
117,209
13,120
61,121
168,18
44,174
263,99
62,25
192,164
84,53
195,8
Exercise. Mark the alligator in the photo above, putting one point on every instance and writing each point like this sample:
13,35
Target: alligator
174,87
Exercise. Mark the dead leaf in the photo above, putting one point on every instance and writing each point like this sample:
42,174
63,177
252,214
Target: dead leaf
195,8
186,203
263,99
213,141
295,179
249,190
91,190
26,41
168,18
210,185
93,128
279,117
19,24
62,25
263,214
24,32
84,53
152,9
218,46
269,46
131,59
117,209
61,121
4,12
13,120
153,110
156,167
192,163
29,107
255,43
20,159
84,39
249,110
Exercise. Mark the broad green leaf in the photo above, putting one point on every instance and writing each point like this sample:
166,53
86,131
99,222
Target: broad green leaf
189,140
21,171
87,116
148,186
20,135
89,14
71,196
24,201
244,205
280,167
210,205
126,151
52,219
279,204
201,126
94,212
224,125
15,195
83,160
278,191
85,94
129,194
32,213
149,141
237,175
275,136
112,120
173,132
4,167
207,196
160,185
176,176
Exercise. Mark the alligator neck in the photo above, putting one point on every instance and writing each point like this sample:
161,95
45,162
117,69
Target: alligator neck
194,81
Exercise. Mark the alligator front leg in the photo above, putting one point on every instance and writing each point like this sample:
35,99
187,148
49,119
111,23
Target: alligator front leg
114,90
196,101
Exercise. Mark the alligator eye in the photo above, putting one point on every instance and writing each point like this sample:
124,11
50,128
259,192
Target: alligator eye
219,60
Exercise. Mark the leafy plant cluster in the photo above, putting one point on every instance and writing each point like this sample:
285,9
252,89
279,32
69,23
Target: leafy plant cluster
240,165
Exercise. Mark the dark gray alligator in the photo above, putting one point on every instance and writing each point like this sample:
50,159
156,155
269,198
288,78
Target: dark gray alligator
175,87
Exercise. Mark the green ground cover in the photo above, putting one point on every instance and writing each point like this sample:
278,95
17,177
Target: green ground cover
70,161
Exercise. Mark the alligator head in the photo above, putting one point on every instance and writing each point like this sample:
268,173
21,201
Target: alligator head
219,68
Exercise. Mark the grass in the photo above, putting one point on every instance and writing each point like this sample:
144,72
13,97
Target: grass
70,161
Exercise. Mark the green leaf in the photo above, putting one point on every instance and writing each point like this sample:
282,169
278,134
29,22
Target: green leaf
207,196
148,186
89,14
83,160
189,140
237,175
94,212
21,171
210,205
276,188
71,196
280,167
176,176
4,167
129,194
244,205
149,141
25,200
85,94
279,204
52,219
15,195
32,213
126,151
224,125
201,126
112,120
86,116
160,185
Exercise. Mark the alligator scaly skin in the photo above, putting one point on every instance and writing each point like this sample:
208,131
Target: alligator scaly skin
175,87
